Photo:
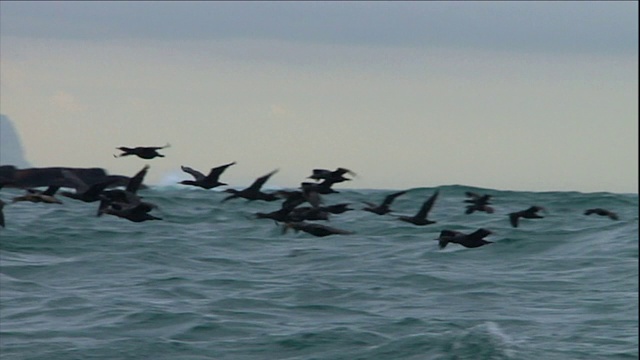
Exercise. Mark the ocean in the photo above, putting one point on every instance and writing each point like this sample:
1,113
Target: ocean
211,281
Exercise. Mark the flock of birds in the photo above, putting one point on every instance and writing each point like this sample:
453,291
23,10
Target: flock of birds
126,204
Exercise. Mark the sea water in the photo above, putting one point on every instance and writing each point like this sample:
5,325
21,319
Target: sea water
211,281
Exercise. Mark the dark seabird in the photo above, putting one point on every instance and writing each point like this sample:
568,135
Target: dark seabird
476,198
126,196
1,213
315,229
335,176
384,207
421,217
84,192
253,191
206,182
530,213
148,152
478,203
37,196
602,212
473,240
136,213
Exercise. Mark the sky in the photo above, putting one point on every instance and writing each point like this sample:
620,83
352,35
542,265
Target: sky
525,96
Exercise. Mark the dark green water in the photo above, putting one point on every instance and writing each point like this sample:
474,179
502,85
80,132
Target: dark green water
210,281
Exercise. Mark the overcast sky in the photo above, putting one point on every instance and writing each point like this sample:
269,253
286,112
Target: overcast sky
505,95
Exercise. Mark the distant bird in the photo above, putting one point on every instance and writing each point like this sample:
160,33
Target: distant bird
421,217
334,176
383,208
253,191
133,212
148,152
478,203
602,212
206,182
315,229
36,196
84,192
473,240
121,197
530,213
1,213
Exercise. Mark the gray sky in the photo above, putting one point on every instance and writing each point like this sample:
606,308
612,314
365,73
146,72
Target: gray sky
507,95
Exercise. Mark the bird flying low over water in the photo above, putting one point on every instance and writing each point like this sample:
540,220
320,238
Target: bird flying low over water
334,176
253,191
383,208
530,213
37,196
314,229
148,152
478,203
123,203
138,212
602,212
421,217
473,240
209,181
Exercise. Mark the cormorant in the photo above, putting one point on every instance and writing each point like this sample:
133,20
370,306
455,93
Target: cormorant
530,213
421,217
206,182
148,152
384,207
473,240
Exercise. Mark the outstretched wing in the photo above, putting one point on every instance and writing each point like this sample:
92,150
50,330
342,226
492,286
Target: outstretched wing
159,147
195,173
136,180
427,205
214,174
389,199
261,180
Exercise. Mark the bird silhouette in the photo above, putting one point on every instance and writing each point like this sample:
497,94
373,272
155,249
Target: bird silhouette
253,191
209,181
383,208
144,152
602,212
530,213
420,218
473,240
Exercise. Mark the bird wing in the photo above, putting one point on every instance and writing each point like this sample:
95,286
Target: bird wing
195,173
159,147
318,174
261,180
479,234
216,171
513,219
136,180
389,199
51,190
342,171
427,205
